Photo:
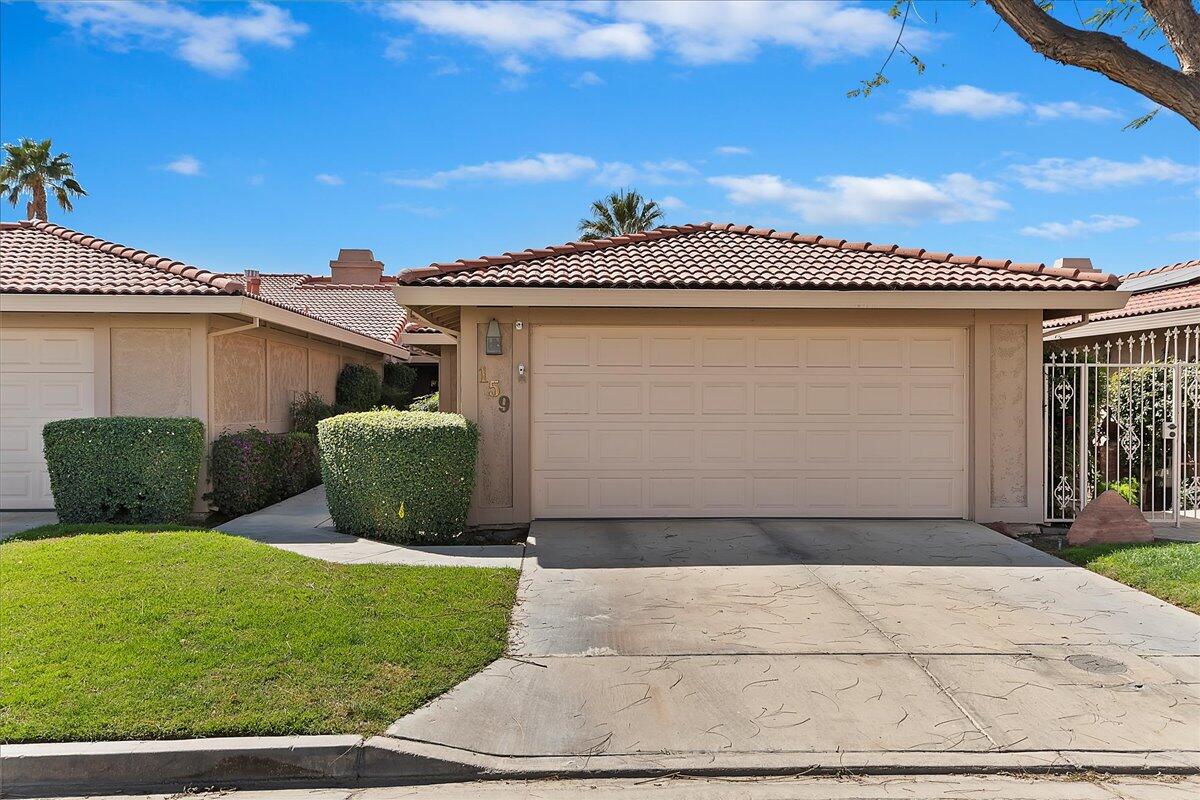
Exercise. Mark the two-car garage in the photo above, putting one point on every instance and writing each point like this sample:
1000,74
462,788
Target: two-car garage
707,421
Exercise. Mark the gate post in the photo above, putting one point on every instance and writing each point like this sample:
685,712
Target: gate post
1176,442
1084,423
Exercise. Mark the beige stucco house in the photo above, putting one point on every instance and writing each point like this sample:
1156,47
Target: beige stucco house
718,370
93,328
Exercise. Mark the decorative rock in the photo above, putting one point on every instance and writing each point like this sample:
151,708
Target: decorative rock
1109,519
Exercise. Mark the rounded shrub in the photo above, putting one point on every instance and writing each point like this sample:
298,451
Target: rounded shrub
400,476
358,387
124,469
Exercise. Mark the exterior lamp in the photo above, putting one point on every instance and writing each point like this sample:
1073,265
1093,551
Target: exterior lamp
492,343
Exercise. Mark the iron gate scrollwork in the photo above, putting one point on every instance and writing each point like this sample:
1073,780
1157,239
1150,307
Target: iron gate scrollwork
1124,415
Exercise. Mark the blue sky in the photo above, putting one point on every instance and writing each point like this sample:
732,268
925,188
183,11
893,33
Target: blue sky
232,135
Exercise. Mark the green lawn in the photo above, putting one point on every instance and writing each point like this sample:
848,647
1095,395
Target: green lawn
1170,571
184,633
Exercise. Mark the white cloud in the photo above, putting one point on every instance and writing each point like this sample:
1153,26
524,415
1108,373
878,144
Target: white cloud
536,169
587,78
211,42
672,203
329,179
256,180
733,150
1061,174
694,31
620,173
514,65
185,165
1069,109
1185,236
1096,223
525,27
957,197
396,48
965,100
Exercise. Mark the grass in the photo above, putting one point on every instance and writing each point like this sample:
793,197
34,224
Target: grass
108,632
1169,571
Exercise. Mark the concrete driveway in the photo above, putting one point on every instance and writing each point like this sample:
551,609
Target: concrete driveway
780,645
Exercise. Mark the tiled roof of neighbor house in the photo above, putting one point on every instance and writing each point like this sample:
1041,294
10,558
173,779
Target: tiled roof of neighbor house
724,256
38,257
369,309
1152,301
41,257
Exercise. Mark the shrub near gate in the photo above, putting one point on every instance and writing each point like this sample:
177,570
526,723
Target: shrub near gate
124,469
400,476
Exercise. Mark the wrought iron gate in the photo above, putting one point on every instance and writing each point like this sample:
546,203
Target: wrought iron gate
1124,415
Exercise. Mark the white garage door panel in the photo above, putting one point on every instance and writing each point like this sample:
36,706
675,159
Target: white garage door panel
44,375
772,422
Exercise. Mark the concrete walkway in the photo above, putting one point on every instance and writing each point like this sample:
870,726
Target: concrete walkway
13,522
810,643
302,524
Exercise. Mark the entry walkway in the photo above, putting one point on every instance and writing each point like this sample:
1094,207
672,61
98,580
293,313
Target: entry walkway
302,524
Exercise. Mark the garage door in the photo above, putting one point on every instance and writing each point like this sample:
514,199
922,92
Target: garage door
734,422
44,375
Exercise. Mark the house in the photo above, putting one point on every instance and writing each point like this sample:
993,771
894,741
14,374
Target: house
714,370
1163,302
93,328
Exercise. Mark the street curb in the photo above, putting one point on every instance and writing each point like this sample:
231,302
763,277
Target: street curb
349,761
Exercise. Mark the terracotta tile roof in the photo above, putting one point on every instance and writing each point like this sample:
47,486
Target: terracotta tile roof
41,257
1173,298
371,309
723,256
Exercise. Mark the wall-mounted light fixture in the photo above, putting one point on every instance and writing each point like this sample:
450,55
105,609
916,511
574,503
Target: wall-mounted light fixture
493,345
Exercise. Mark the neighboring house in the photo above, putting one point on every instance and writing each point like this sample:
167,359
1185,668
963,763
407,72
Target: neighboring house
1161,300
93,328
718,370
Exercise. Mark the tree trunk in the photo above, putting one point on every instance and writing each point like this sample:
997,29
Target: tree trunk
37,206
1111,57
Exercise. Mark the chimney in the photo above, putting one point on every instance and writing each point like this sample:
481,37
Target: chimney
355,267
1081,264
253,281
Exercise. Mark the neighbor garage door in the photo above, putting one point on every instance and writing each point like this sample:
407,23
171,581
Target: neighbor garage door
764,421
44,375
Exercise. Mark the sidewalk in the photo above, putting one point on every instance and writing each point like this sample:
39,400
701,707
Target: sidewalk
302,524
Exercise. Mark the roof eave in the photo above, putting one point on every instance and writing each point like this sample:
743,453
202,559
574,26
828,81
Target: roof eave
1069,299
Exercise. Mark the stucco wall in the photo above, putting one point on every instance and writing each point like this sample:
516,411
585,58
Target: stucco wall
1005,428
151,371
256,374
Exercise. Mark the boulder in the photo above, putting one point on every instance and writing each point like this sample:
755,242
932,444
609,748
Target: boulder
1109,519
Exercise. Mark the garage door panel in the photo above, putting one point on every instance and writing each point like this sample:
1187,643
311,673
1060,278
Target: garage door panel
775,422
44,375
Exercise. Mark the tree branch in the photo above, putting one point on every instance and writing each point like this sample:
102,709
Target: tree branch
1108,54
1180,26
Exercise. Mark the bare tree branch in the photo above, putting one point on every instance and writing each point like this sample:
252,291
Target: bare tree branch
1112,57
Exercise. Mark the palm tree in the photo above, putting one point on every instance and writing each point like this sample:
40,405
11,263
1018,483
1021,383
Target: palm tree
620,213
30,169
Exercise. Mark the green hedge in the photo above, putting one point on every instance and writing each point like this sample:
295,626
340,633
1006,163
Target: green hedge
310,408
253,469
400,476
358,387
124,469
427,402
398,381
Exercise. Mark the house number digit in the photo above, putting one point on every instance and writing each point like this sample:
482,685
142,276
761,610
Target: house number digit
493,389
505,403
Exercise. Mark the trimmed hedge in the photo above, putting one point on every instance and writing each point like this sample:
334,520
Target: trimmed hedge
124,469
253,469
400,476
398,381
358,387
427,402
